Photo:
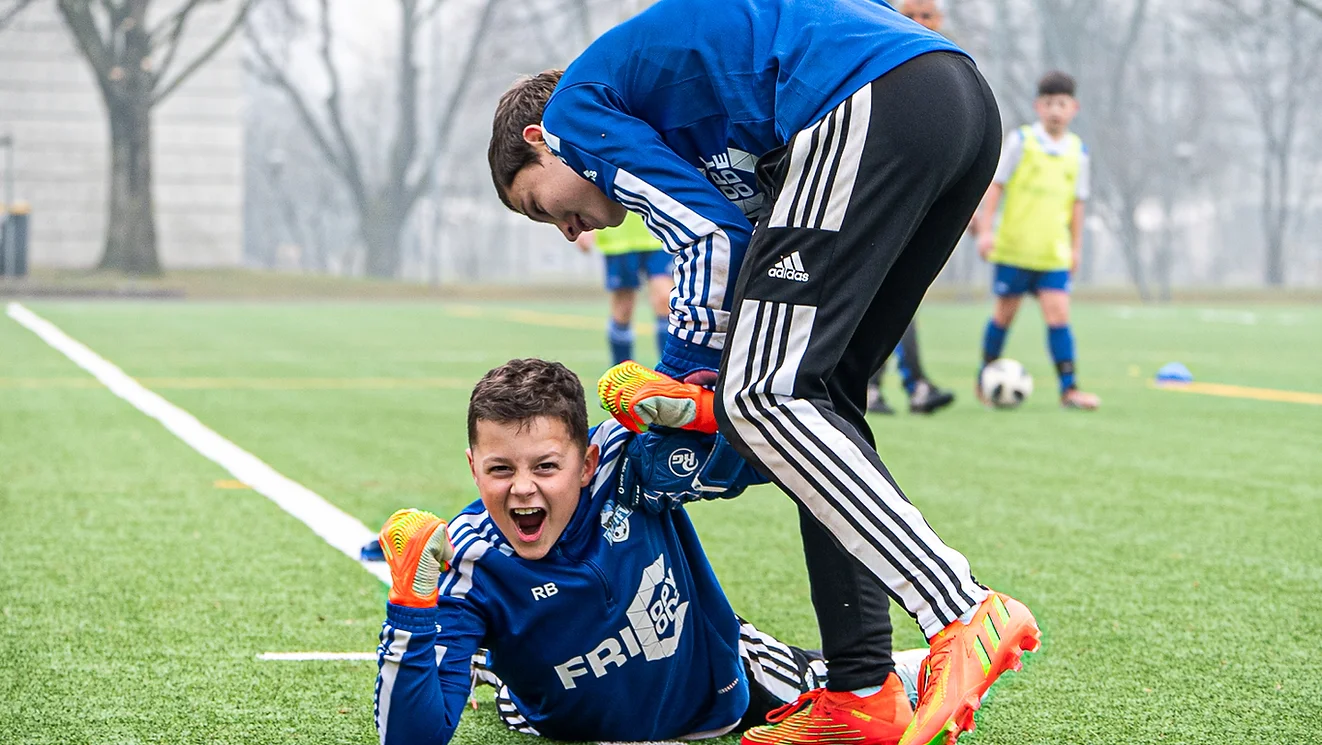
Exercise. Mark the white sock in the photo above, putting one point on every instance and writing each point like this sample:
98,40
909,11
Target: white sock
967,617
865,692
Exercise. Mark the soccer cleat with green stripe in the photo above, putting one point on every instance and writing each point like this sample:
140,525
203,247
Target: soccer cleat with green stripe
964,661
822,717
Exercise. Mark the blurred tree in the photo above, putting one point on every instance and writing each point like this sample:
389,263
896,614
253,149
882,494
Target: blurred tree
132,61
1274,54
10,9
383,195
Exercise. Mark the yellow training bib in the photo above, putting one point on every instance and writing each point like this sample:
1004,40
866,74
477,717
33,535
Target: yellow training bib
630,237
1039,203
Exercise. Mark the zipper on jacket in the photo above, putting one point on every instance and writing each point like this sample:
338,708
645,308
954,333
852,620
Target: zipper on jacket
601,576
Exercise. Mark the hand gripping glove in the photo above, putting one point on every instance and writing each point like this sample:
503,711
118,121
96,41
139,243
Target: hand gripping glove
418,550
638,398
665,469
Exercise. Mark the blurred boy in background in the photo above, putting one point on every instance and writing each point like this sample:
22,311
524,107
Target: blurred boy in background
1043,178
631,252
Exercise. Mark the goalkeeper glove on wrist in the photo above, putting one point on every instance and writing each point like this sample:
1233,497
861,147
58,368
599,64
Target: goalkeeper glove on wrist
418,550
639,398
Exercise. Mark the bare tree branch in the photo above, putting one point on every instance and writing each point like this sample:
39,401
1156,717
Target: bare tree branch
447,121
163,90
425,14
176,31
353,171
78,16
1307,5
273,74
12,13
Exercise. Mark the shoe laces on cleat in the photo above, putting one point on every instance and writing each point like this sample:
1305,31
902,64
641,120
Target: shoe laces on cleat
781,713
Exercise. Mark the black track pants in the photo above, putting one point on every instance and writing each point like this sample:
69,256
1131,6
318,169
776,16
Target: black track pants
868,205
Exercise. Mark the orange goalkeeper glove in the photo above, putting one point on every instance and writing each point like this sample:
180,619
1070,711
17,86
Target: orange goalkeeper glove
418,550
638,398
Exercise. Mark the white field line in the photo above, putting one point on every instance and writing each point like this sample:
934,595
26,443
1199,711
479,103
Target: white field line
336,527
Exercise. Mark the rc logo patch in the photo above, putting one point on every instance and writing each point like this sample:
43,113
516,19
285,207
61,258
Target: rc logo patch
683,462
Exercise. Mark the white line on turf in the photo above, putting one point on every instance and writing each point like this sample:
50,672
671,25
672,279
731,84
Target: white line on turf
317,656
336,527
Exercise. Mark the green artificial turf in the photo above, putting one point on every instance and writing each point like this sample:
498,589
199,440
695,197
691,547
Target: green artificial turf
1168,543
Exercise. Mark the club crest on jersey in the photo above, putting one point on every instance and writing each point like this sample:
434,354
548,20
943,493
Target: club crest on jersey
615,522
683,462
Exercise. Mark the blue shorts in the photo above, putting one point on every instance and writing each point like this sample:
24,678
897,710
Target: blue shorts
1010,281
623,270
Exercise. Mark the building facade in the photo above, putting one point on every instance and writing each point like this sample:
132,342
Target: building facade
52,109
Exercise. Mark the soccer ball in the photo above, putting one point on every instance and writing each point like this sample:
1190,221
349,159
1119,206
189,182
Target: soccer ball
1005,383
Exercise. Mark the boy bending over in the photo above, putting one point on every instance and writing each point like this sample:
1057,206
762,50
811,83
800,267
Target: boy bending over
861,144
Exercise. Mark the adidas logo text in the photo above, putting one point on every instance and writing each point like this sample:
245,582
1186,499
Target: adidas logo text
789,267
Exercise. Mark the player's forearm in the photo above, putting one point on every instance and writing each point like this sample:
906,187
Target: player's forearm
1076,226
987,213
413,707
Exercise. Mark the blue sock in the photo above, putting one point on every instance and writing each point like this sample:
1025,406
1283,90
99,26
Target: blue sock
993,341
620,336
1061,341
662,333
907,376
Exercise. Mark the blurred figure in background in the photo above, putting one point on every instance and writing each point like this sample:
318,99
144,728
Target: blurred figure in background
632,252
924,396
1044,178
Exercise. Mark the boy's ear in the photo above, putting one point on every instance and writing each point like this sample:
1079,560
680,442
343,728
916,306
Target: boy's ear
532,134
472,467
590,459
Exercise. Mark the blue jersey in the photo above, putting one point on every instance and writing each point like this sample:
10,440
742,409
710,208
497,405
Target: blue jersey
669,112
620,633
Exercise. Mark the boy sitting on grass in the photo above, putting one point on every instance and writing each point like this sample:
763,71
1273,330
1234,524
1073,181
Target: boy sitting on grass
602,621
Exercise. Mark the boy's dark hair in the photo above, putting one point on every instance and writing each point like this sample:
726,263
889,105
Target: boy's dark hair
522,390
521,105
1056,83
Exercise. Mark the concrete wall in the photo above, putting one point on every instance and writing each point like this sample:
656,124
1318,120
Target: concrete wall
50,104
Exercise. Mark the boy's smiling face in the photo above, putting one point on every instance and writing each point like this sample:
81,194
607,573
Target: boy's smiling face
1056,111
551,192
530,475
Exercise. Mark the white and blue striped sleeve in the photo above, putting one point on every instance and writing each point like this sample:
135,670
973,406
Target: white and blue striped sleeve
423,669
587,126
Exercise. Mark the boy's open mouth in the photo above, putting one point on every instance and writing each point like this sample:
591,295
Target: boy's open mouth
529,522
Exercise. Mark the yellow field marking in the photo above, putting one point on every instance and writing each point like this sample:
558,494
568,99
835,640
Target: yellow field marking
230,484
1240,391
260,384
305,384
50,383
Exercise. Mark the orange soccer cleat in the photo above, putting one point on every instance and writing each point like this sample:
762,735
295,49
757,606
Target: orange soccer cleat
638,398
418,550
1074,398
822,717
963,663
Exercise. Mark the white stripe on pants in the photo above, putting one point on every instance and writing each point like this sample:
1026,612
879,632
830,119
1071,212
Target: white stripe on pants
825,470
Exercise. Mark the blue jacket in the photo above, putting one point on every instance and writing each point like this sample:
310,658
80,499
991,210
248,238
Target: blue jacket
669,112
620,633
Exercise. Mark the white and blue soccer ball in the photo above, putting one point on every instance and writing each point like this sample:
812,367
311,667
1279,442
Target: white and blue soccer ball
1005,383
